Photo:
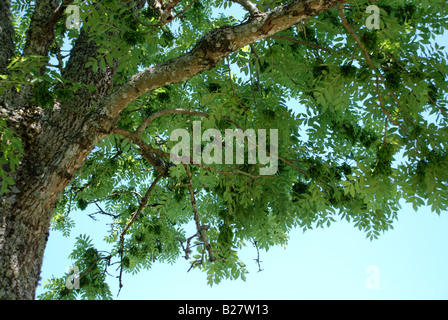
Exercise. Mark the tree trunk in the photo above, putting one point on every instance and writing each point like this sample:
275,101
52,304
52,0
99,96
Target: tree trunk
55,141
25,215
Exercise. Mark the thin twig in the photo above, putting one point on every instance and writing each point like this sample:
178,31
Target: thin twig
369,61
142,205
101,211
161,113
255,243
201,229
135,215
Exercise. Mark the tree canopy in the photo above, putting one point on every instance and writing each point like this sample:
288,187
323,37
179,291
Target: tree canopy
369,127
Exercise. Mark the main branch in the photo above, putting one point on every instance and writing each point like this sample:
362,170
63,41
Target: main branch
211,49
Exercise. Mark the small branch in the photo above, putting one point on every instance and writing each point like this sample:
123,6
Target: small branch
404,67
170,4
150,154
249,6
383,107
255,243
233,172
233,87
254,52
101,211
269,5
134,217
154,156
201,229
193,200
93,264
442,110
164,9
378,76
159,114
354,36
180,14
370,62
118,192
142,205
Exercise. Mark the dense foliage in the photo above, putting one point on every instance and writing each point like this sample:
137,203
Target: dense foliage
361,118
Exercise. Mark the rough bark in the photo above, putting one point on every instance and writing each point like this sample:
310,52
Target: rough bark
56,141
55,144
6,34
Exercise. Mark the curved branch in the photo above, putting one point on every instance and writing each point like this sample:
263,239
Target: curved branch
377,74
142,205
154,156
141,129
212,49
134,217
201,229
308,44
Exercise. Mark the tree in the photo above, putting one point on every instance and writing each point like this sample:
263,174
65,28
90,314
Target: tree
88,116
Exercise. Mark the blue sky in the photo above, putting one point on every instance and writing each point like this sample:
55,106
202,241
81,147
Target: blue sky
328,263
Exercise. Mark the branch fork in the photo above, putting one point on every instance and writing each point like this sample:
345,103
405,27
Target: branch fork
164,8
